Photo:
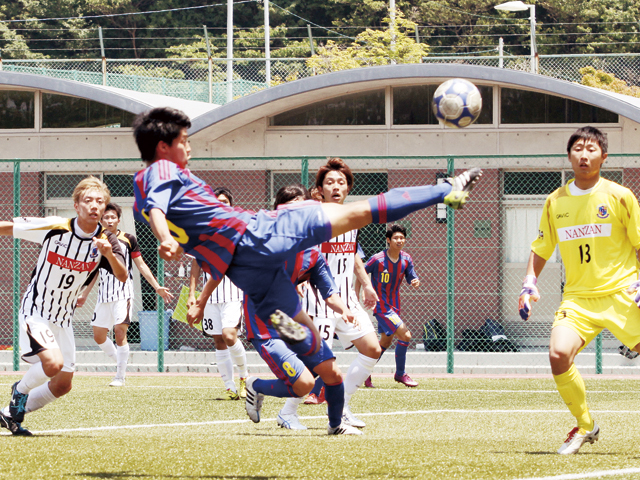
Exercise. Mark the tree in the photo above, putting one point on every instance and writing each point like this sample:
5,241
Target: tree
607,81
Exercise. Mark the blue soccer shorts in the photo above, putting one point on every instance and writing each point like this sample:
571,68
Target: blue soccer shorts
388,322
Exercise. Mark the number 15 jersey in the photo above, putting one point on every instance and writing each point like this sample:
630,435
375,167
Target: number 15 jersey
597,233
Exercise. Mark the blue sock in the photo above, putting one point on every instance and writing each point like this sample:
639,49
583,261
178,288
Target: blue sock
273,388
335,399
400,202
401,357
383,349
317,387
306,346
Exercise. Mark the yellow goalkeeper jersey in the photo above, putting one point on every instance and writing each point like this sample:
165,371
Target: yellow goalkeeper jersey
598,234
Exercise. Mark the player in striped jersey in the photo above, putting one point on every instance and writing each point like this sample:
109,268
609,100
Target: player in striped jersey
250,248
114,308
72,251
222,321
387,269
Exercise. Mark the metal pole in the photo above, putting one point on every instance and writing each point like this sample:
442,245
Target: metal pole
104,58
534,52
304,172
313,52
16,270
501,52
267,43
599,354
161,315
210,62
229,50
392,24
450,276
417,35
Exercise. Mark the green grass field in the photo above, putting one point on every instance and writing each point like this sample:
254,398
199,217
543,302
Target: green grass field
170,427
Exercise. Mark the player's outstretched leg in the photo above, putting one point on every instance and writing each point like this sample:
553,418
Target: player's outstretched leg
578,437
253,403
289,330
14,427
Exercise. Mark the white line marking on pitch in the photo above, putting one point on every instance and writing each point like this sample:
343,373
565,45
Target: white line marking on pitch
376,414
576,476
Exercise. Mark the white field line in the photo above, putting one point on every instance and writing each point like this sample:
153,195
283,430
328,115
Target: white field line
597,474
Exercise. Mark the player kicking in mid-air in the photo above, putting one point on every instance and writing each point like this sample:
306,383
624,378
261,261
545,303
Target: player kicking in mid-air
596,224
222,321
114,308
72,251
251,248
387,269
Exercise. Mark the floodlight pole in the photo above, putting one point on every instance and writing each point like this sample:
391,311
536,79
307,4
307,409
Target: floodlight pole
267,41
519,6
229,50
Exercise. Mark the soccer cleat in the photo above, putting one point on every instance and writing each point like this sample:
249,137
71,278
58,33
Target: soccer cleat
243,388
627,352
368,383
350,419
14,427
117,382
578,437
231,395
461,185
253,403
312,399
290,422
405,380
18,404
289,330
343,429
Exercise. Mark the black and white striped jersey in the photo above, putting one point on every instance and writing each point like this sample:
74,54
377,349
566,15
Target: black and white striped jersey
68,261
111,289
340,253
225,292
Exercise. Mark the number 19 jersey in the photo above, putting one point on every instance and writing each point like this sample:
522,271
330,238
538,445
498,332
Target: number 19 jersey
597,233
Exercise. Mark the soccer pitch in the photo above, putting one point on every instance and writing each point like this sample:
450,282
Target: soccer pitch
169,427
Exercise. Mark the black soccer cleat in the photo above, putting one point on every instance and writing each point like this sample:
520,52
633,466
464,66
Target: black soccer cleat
18,404
14,427
461,185
289,330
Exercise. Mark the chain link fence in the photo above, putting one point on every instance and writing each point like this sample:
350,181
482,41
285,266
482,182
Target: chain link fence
471,263
205,80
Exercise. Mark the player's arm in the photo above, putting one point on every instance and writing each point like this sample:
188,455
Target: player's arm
529,290
110,249
337,305
194,278
196,311
6,228
370,295
411,276
146,273
169,248
86,290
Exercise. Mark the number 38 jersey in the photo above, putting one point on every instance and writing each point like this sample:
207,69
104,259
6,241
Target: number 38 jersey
339,253
597,233
68,260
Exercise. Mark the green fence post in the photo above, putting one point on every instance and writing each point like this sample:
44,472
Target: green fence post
450,276
599,353
160,303
16,270
304,169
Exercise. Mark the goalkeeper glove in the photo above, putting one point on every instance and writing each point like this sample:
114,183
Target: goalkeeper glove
528,293
635,288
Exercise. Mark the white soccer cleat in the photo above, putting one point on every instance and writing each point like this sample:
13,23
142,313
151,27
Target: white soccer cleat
578,437
253,403
117,382
343,429
350,419
461,185
290,422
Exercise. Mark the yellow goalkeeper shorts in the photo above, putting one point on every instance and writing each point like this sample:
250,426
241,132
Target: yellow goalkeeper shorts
588,316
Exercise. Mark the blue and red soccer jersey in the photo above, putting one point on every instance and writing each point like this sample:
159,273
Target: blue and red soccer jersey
386,278
205,228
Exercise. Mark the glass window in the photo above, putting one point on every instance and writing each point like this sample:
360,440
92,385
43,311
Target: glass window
525,107
16,109
365,108
62,111
412,105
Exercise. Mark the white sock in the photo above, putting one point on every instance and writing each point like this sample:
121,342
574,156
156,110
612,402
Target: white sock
34,377
291,405
239,358
110,349
225,367
39,397
358,372
123,358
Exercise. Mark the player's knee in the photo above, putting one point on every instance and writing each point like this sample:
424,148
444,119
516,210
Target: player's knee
404,335
372,350
559,358
219,342
229,338
303,386
51,367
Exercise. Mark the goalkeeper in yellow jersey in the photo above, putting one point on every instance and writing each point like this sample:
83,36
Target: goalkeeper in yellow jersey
596,224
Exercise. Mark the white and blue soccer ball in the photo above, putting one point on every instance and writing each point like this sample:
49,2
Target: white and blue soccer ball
457,103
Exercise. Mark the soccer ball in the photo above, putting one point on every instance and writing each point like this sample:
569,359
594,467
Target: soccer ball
457,103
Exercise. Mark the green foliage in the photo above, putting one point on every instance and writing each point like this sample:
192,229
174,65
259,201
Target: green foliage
153,72
607,81
372,47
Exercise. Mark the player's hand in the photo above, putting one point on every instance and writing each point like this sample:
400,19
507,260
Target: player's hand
415,283
634,289
81,301
170,250
103,245
528,294
349,317
195,314
370,297
191,300
301,288
164,293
